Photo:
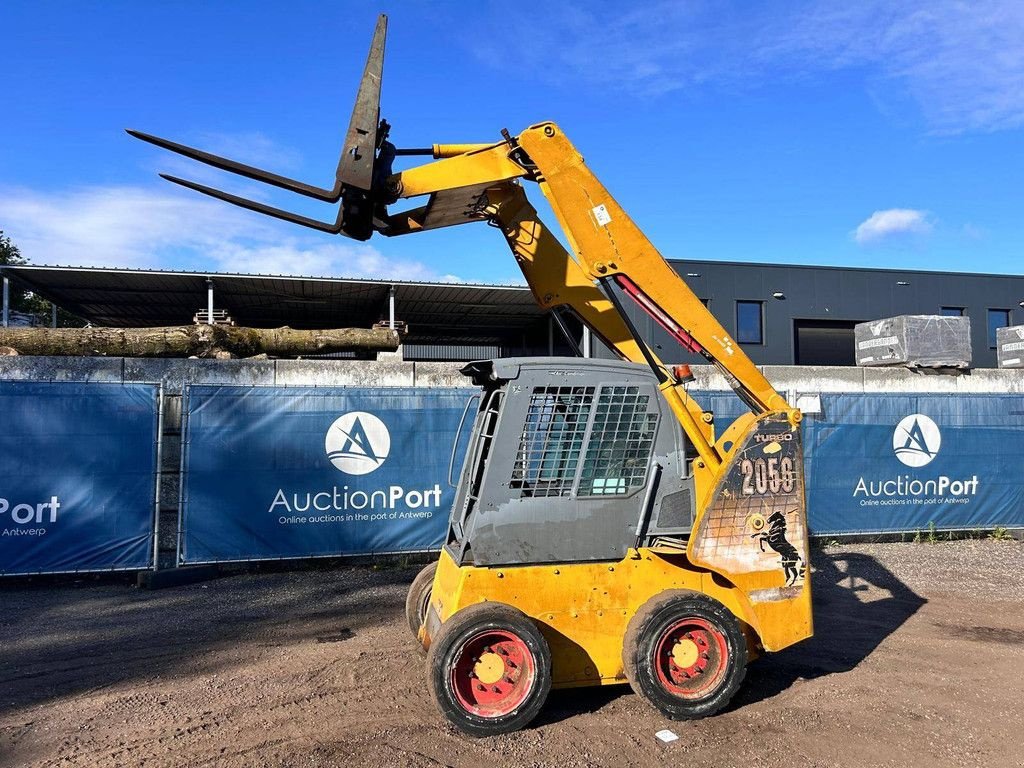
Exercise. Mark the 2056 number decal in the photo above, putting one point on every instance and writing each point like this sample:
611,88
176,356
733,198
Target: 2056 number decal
772,475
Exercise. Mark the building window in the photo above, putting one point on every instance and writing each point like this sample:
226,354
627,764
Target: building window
750,322
997,318
952,312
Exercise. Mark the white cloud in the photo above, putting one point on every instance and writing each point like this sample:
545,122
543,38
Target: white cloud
894,221
960,63
973,232
125,226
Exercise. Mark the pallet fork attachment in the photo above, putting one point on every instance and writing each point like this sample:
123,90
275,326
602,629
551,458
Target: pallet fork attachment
365,146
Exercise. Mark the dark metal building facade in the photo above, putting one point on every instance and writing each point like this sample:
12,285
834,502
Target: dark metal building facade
784,315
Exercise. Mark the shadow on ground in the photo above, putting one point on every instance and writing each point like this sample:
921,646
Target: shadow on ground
858,603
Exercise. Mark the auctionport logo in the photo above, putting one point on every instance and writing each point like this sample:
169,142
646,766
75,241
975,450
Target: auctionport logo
358,443
916,440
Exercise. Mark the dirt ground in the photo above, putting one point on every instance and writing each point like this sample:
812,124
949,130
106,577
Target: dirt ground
917,661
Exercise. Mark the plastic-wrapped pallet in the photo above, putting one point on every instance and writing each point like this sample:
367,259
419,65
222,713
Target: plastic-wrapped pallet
1010,346
914,341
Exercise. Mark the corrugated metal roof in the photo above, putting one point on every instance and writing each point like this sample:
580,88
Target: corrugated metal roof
433,312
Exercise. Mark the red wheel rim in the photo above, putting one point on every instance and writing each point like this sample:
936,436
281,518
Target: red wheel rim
691,657
493,673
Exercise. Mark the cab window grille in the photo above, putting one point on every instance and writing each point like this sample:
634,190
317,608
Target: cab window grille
552,441
621,441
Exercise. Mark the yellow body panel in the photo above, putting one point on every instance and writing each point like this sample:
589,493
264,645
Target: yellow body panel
582,609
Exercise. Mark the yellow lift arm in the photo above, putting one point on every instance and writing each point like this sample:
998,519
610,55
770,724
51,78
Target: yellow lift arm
608,246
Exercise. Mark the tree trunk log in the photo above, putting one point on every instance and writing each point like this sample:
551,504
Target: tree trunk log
194,341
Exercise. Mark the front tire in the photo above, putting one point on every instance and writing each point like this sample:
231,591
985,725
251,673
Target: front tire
489,669
685,654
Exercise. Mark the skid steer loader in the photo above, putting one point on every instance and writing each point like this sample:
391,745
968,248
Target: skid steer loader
602,531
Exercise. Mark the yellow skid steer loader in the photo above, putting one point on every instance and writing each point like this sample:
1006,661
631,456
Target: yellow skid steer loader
602,532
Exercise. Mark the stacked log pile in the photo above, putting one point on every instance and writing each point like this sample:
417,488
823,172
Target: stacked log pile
203,341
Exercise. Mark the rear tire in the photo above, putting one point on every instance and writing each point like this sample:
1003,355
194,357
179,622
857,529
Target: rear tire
489,669
418,599
685,654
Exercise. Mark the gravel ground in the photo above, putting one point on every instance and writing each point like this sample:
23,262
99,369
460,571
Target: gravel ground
916,661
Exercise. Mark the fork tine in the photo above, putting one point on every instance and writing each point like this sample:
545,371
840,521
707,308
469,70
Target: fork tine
252,205
319,193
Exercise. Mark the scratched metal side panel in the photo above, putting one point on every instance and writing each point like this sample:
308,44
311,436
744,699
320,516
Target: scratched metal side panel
756,522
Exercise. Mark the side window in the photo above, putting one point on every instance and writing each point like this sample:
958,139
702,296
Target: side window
749,322
997,318
621,442
549,448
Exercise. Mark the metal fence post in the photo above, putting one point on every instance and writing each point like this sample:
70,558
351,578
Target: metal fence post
159,476
182,453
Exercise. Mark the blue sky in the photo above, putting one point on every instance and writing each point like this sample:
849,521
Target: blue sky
862,134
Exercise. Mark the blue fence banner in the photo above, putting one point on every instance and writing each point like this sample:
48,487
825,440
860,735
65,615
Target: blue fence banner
272,472
77,476
905,462
890,463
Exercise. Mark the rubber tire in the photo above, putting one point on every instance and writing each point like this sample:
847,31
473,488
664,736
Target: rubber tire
418,598
445,646
642,634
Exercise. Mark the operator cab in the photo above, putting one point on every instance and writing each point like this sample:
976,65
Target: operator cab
569,460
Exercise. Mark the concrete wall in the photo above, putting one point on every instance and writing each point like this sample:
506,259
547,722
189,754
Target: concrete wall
175,374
